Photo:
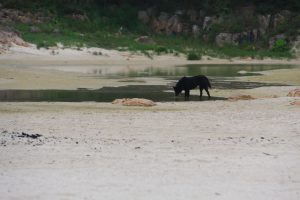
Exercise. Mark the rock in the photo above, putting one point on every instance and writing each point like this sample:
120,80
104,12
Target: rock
166,24
255,35
296,46
294,93
143,17
80,17
162,21
134,102
95,53
295,103
195,31
9,38
240,97
145,40
280,18
264,23
173,25
207,20
12,15
223,38
35,29
250,36
56,30
237,38
163,17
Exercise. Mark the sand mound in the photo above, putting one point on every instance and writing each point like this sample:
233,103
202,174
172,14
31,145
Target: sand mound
294,93
240,97
134,102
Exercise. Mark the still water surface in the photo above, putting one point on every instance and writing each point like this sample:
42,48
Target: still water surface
221,77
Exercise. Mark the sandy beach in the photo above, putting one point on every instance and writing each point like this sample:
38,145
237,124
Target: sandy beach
247,149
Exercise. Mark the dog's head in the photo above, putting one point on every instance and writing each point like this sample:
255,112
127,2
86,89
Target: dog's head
177,90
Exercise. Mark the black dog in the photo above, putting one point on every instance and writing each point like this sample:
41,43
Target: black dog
188,83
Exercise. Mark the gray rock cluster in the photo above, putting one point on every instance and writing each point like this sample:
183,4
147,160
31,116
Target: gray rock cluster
8,16
196,23
237,38
180,22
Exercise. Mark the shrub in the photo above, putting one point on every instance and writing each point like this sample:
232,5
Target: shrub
161,49
280,46
193,56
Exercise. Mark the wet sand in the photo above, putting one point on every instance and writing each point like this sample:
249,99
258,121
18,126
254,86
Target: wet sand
177,150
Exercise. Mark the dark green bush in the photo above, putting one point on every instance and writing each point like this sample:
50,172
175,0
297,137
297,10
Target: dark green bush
161,49
280,46
193,56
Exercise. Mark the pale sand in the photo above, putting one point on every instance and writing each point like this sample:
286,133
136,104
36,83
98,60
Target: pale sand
188,150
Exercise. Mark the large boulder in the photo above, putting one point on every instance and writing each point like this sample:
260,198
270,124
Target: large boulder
280,18
134,102
237,38
264,23
173,24
143,16
160,24
223,38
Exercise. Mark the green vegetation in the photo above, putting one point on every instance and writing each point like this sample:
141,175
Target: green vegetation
193,56
280,46
114,25
70,36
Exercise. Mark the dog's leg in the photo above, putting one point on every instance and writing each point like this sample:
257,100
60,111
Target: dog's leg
206,89
201,89
186,94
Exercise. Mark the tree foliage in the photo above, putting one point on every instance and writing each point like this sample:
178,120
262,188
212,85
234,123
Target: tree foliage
209,5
